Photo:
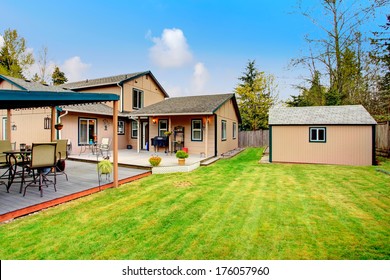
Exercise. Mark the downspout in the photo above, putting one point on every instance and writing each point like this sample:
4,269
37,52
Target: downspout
215,135
59,136
270,143
373,144
120,97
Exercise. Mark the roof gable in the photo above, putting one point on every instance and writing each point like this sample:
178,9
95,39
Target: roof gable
320,115
112,80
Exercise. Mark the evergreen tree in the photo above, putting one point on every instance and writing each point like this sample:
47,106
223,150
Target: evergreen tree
13,56
255,96
58,77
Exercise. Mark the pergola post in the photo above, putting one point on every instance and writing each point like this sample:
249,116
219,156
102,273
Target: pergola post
206,137
115,141
53,122
139,134
9,115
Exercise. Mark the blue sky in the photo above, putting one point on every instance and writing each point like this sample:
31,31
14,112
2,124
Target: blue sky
192,47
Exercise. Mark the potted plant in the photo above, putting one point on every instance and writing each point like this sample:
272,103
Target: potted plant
105,167
58,126
167,133
181,155
154,160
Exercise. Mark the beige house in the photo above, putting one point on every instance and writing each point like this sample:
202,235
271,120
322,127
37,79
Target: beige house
86,124
205,125
322,134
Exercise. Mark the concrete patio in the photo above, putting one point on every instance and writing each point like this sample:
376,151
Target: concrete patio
132,158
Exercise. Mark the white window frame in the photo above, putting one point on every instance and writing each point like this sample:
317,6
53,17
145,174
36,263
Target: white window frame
134,129
88,137
193,130
223,130
4,123
162,130
317,134
137,99
121,128
234,130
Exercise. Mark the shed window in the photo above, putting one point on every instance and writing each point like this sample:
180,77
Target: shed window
317,134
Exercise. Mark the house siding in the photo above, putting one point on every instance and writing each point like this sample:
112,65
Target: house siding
345,145
194,147
227,113
71,130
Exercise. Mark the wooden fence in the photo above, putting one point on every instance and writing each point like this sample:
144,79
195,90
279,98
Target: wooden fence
382,139
256,138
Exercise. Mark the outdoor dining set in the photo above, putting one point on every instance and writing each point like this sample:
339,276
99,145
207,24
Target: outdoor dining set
32,166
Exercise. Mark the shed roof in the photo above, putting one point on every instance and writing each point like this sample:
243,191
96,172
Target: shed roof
188,105
320,115
112,80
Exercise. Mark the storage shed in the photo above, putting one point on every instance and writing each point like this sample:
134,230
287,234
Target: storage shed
322,134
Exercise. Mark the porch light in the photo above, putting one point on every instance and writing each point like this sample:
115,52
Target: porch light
154,121
14,127
46,122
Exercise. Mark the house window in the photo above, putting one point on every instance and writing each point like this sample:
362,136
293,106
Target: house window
234,130
121,127
87,130
317,134
196,130
134,129
162,127
223,132
138,99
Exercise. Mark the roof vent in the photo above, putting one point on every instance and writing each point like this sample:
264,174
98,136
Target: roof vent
28,81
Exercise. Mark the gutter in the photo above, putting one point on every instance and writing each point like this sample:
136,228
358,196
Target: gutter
120,97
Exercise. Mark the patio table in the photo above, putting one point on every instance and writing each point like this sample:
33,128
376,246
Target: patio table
12,161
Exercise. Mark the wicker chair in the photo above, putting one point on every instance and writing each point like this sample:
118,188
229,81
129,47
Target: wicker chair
43,159
105,146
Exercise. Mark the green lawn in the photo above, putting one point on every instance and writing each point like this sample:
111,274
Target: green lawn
233,209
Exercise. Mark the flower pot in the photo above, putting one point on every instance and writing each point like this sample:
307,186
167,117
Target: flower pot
182,161
58,126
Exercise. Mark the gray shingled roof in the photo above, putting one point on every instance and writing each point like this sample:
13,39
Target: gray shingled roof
98,109
103,81
320,115
33,86
189,105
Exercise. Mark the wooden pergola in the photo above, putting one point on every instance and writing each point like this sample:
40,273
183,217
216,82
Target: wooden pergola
19,99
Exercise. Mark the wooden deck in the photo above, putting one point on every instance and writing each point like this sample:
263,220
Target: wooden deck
83,180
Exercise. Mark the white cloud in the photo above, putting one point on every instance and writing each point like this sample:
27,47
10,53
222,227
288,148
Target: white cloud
200,77
75,69
1,41
171,50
